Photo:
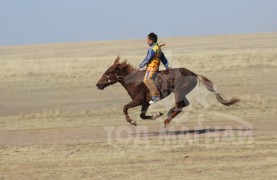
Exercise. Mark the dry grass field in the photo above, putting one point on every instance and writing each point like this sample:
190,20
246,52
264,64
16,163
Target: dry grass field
54,121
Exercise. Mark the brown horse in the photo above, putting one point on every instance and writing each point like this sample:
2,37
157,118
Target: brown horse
180,81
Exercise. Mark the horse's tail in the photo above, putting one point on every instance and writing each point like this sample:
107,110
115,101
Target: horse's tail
220,98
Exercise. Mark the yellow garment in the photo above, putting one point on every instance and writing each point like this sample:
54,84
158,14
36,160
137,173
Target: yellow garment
152,69
155,61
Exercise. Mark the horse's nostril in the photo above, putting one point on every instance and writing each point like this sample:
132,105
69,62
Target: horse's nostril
97,85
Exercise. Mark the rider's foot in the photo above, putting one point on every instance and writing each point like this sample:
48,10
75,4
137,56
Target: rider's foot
154,99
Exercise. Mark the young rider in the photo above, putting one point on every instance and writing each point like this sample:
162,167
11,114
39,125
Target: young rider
152,61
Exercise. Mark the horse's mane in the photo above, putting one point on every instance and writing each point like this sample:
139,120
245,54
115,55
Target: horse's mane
124,64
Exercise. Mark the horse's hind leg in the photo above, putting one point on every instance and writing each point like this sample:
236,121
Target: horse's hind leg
144,109
177,109
185,103
183,85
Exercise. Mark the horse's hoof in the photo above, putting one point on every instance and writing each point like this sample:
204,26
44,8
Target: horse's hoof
156,115
133,122
166,122
165,125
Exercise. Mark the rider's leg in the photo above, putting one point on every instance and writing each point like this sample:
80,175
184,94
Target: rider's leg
149,77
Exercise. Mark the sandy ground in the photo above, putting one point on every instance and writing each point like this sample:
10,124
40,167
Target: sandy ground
55,124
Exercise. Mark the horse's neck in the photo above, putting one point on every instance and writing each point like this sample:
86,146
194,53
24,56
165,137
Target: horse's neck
129,84
130,87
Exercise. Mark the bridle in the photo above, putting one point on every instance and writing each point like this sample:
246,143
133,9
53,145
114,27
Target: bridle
118,78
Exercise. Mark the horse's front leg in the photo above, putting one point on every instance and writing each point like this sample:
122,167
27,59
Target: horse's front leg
131,104
144,109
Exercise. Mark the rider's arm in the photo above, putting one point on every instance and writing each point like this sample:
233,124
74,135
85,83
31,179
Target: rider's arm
149,56
164,60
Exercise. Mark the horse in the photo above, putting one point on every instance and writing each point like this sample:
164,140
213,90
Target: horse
179,81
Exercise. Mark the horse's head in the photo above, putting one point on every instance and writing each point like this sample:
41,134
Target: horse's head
114,74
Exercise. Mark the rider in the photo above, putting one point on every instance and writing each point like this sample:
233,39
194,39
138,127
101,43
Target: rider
152,60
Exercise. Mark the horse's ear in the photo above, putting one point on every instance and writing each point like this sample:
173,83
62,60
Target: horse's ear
116,61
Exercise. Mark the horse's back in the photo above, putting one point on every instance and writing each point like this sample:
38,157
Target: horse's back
174,74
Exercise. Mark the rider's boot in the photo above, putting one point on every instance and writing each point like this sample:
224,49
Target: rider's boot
154,99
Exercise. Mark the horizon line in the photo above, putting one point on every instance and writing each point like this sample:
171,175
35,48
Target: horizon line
133,39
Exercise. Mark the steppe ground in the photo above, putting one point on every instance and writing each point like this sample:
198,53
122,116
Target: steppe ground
54,122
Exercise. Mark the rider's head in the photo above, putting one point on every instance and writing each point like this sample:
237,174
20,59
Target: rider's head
152,38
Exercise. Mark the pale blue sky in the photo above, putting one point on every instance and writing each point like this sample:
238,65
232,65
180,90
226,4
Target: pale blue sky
51,21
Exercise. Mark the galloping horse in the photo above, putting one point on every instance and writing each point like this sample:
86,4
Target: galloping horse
180,81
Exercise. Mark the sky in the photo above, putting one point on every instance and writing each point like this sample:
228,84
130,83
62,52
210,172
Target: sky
54,21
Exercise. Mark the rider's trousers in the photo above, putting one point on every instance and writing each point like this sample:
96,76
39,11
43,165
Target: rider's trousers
149,78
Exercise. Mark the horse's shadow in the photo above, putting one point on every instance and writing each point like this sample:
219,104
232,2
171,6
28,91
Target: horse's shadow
198,131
